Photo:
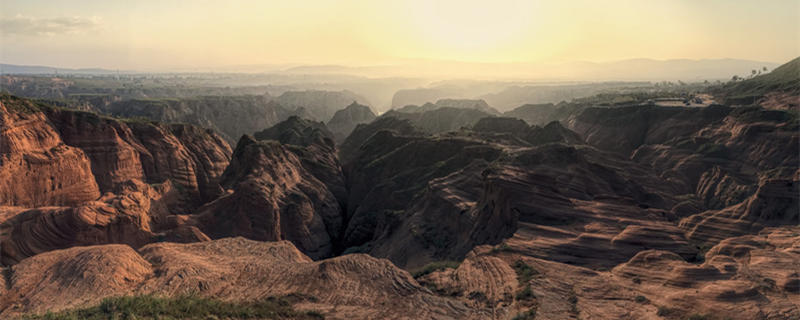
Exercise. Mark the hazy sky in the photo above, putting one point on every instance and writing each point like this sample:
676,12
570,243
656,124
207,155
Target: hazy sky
174,33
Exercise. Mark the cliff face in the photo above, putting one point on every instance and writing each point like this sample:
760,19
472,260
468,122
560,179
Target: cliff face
288,187
37,167
724,158
57,163
191,157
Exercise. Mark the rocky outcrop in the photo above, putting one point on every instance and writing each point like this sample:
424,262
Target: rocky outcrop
391,172
37,168
58,162
119,151
275,197
345,120
571,204
719,156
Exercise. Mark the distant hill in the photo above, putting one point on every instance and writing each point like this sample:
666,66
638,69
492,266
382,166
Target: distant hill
781,86
19,69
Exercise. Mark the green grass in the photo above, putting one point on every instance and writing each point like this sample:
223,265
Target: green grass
524,271
525,274
183,307
435,266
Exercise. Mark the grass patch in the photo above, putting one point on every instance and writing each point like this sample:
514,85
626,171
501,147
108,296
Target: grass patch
435,266
524,271
183,307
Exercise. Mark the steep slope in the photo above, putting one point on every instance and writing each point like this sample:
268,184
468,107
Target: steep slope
737,166
69,157
779,89
288,187
37,167
144,171
345,120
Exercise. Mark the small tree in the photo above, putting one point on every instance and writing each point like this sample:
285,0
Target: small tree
764,69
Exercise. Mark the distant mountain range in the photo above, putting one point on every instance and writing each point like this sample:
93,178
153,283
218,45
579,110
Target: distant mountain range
632,69
20,69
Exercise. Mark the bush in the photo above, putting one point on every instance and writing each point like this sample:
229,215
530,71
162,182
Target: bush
435,266
524,271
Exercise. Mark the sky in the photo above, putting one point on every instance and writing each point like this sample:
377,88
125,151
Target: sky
148,35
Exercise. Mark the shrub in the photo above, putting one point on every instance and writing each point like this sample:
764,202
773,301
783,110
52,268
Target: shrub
524,271
435,266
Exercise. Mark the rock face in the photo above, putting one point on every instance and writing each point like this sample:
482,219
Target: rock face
282,189
345,120
737,166
193,158
352,286
37,167
57,163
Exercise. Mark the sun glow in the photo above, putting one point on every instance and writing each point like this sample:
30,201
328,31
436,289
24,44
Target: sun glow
153,34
